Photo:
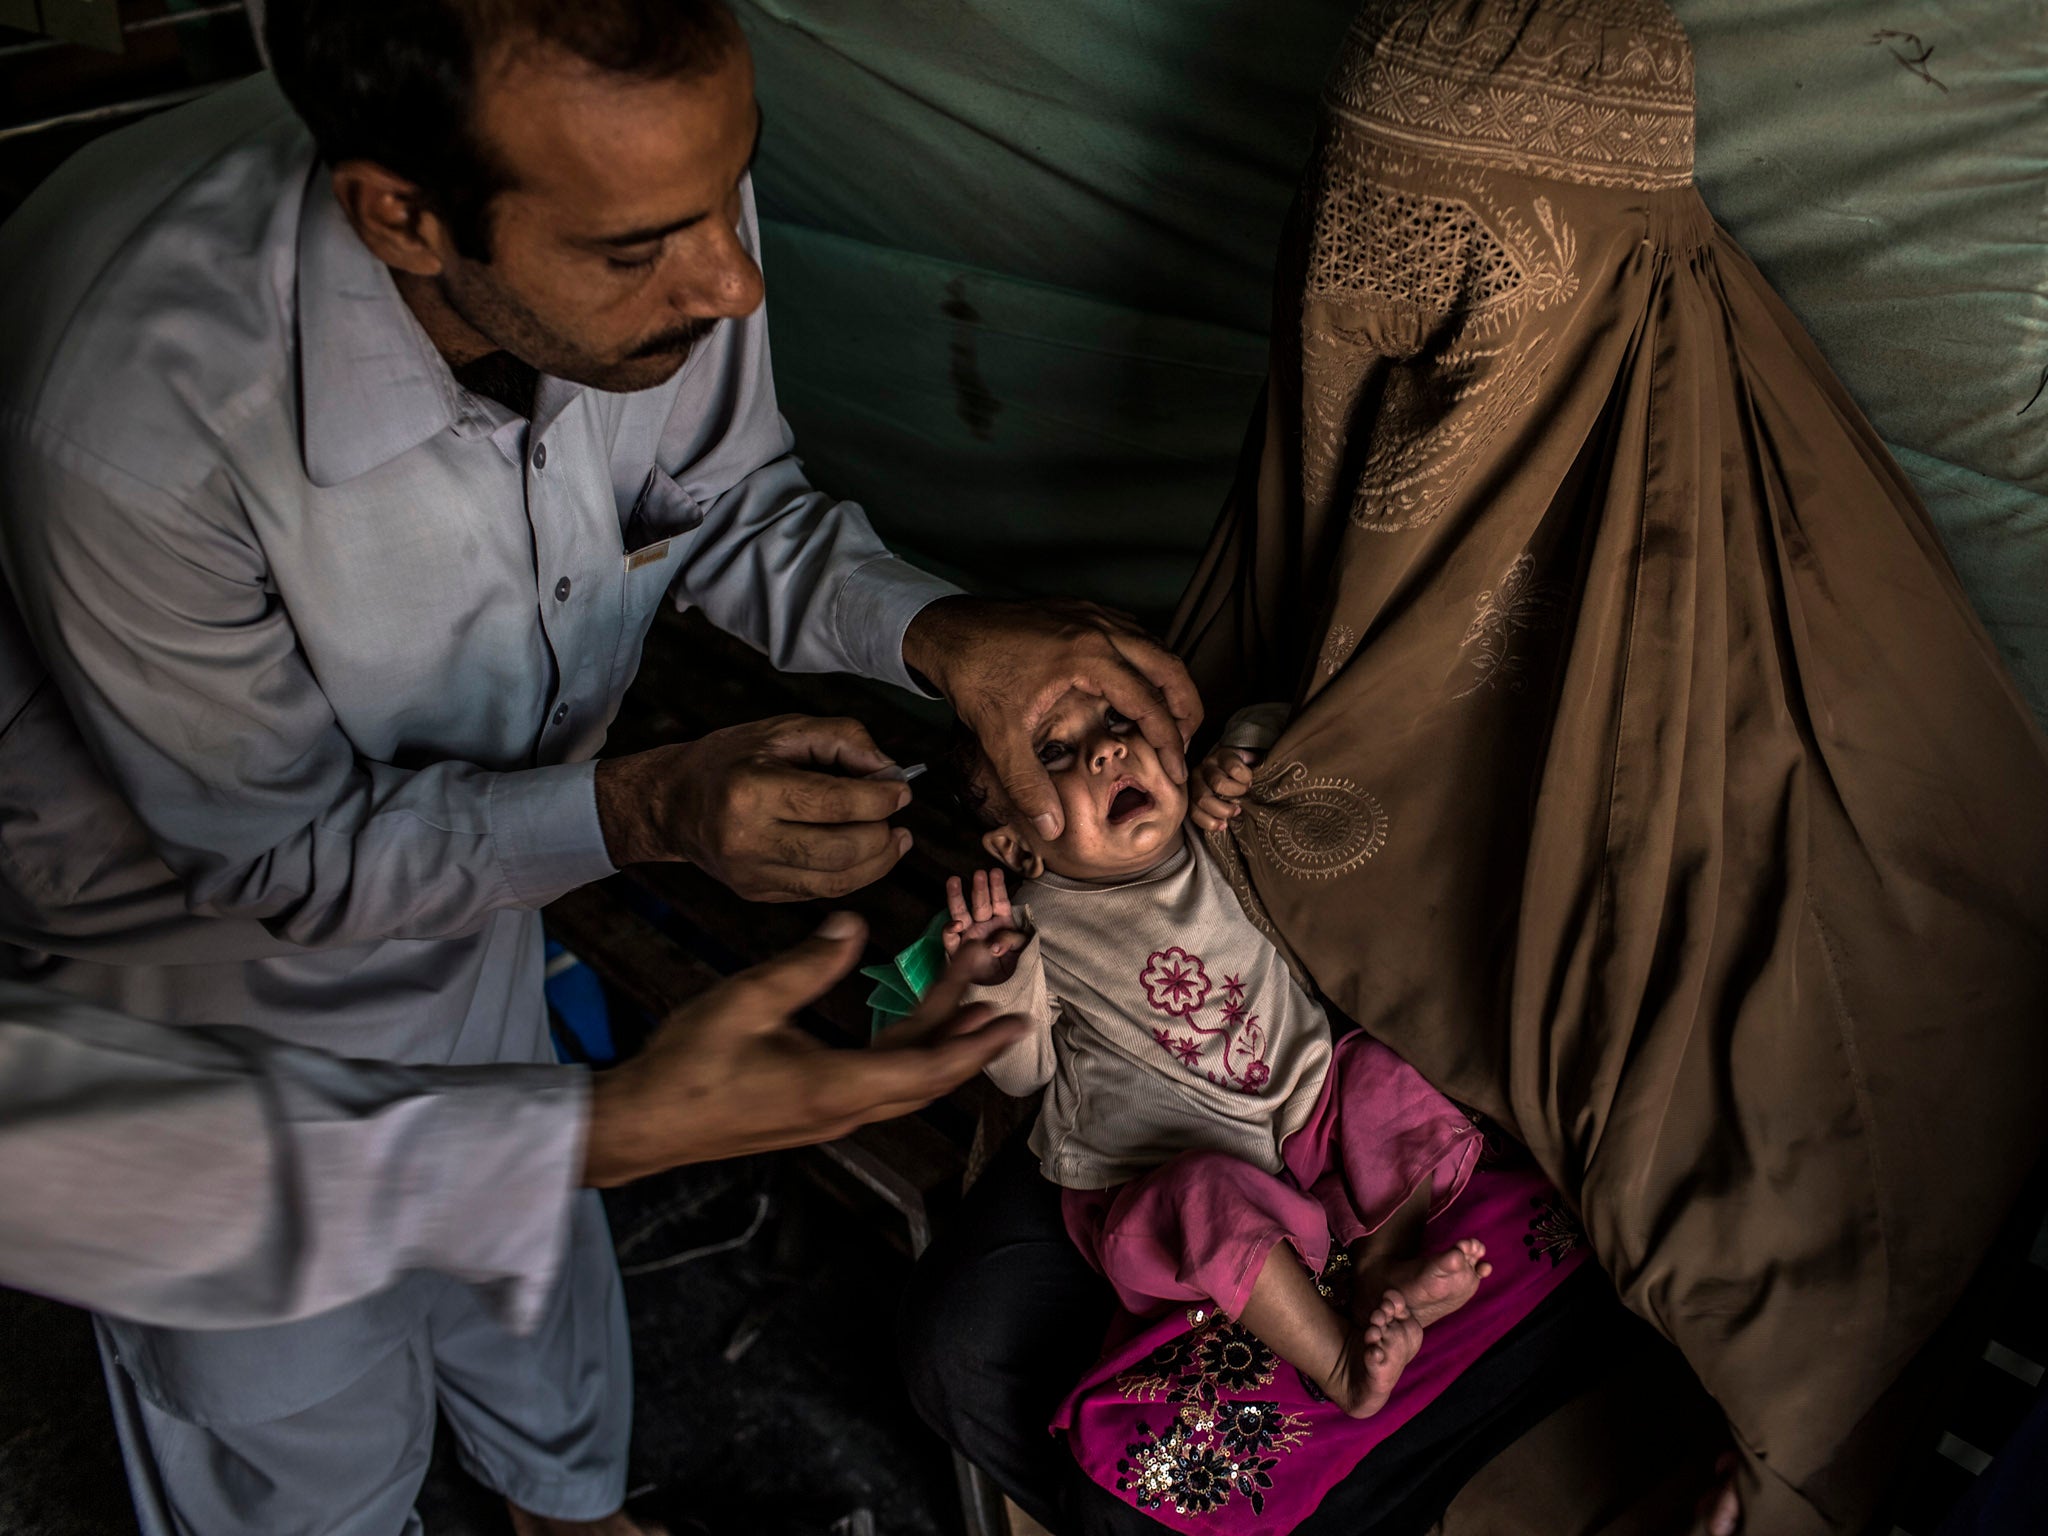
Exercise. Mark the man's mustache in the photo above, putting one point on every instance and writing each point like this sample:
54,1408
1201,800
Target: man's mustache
682,339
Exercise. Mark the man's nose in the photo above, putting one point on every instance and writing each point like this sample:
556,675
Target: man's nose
729,287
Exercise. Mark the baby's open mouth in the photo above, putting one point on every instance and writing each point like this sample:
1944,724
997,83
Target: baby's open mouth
1128,802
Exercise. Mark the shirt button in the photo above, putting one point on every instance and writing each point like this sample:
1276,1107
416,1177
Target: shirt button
562,590
540,456
561,712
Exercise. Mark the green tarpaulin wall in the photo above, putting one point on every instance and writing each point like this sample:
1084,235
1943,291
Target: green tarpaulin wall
1019,251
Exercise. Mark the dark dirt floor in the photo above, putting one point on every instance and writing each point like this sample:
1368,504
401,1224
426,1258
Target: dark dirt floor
798,1436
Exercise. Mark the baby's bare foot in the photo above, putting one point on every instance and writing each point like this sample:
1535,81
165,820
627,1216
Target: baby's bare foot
1375,1355
1437,1284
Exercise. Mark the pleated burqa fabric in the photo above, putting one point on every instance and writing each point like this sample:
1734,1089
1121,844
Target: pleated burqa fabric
1651,785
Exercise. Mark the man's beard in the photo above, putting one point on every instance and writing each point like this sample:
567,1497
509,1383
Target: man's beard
506,322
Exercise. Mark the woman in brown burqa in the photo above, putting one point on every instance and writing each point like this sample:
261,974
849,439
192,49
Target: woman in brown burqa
1650,784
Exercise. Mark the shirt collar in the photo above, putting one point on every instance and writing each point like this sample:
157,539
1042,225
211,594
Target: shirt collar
1172,864
371,384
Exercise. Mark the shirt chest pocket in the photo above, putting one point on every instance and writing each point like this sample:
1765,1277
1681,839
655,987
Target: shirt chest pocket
657,532
663,513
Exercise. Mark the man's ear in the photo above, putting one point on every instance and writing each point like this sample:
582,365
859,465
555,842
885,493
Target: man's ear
390,217
1013,853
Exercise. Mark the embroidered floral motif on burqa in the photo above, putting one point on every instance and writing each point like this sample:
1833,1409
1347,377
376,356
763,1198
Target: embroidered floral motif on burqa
1651,787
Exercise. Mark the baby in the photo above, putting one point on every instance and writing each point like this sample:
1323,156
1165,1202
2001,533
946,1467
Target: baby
1210,1138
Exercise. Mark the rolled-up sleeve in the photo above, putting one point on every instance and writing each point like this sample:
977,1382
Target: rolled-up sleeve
181,669
798,574
1256,727
873,612
215,1178
545,831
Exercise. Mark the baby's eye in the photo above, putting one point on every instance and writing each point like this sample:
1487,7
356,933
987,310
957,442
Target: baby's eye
1115,721
1052,753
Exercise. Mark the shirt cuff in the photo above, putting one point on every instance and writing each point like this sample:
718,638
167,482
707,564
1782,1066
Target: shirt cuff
508,1164
876,603
545,829
1256,727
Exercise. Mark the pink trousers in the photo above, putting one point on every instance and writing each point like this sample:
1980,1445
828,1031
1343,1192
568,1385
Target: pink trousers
1199,1228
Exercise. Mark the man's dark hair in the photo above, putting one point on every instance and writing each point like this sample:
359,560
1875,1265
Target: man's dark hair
395,81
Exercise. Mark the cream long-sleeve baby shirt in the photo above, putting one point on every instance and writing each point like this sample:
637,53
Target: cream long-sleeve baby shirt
1165,1022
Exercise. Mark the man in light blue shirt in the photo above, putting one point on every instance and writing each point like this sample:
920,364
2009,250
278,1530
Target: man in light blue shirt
343,474
217,1178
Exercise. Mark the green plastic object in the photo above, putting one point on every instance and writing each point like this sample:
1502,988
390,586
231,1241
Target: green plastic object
902,983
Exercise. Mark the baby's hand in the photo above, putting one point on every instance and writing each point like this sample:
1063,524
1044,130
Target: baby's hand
987,918
1220,783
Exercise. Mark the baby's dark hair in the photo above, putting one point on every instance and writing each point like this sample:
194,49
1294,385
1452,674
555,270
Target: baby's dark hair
967,778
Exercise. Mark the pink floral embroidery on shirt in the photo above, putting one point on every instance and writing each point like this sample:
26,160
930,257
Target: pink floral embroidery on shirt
1175,983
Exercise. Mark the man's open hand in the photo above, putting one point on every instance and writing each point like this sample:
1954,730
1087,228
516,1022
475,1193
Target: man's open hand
777,809
728,1073
1003,666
